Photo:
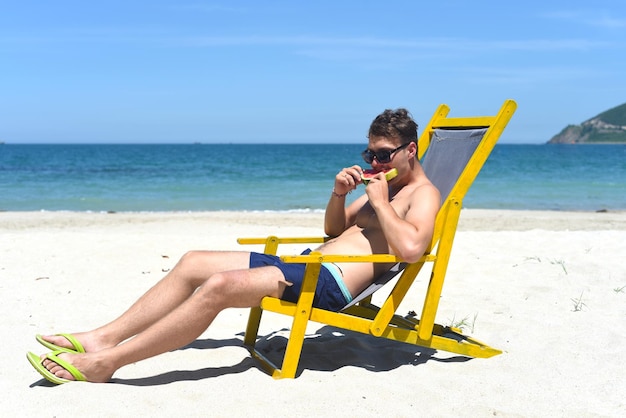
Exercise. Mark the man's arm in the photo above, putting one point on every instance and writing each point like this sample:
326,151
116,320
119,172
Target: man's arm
408,237
337,217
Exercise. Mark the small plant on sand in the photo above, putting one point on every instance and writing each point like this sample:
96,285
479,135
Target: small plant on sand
578,303
464,323
559,262
619,289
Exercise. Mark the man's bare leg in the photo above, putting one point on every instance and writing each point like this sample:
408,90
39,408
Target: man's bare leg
181,326
178,285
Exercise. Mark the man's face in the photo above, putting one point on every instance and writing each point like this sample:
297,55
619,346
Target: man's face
382,151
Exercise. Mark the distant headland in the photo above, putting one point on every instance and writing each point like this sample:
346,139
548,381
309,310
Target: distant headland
607,128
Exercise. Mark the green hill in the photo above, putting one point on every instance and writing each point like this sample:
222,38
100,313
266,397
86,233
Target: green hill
608,127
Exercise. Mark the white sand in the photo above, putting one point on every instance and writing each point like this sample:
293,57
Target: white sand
548,288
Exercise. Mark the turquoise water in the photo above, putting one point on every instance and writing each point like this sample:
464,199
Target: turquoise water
284,177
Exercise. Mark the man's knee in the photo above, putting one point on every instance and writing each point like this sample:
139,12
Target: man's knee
189,269
216,289
192,262
189,258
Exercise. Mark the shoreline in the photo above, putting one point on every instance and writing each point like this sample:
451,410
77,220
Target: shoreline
470,220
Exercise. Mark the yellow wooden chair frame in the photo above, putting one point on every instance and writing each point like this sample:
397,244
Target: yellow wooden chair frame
383,321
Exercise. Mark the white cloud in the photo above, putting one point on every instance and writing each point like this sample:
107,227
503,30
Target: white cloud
208,8
529,76
595,18
450,44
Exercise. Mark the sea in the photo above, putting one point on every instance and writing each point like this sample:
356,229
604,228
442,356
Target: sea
284,177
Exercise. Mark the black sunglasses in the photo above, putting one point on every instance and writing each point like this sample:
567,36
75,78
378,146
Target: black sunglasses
382,156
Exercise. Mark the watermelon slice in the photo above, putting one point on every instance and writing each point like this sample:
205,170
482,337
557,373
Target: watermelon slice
368,174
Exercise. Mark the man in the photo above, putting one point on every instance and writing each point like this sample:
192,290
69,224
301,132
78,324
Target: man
395,216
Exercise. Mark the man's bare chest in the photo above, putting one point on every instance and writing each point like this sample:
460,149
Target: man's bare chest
367,218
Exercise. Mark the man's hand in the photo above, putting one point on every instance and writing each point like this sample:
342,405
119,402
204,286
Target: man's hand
347,179
377,190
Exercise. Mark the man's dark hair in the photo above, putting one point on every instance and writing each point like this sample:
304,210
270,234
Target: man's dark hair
395,124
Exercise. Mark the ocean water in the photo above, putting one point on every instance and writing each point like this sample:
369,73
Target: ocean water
293,177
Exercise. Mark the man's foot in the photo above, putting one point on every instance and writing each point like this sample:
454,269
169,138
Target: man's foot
62,342
54,376
61,367
83,342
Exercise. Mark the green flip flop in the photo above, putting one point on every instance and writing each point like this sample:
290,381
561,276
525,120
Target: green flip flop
77,347
37,363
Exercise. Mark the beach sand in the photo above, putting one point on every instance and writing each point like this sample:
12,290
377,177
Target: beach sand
547,288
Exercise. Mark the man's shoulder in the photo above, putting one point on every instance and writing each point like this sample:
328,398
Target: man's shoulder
424,194
422,187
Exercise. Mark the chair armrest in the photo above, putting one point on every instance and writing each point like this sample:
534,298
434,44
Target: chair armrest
283,240
271,243
340,258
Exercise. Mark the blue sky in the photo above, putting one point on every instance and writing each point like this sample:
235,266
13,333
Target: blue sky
295,71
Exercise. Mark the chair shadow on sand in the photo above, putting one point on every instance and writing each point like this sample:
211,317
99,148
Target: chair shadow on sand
329,349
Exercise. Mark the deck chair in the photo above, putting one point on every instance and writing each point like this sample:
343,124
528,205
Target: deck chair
455,150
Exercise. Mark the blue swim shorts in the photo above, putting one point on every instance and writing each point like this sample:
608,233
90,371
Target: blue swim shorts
328,294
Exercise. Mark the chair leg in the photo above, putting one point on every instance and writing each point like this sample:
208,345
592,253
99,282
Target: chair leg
294,347
300,321
252,329
433,294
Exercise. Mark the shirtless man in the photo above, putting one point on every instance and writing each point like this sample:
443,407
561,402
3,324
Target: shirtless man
395,217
